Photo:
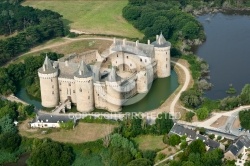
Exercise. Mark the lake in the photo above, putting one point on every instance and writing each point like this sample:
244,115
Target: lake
227,51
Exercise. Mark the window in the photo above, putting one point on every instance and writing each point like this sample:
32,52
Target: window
51,80
80,89
89,97
166,59
52,92
166,53
60,83
166,66
73,91
130,64
52,86
127,57
117,55
145,60
60,89
69,84
141,60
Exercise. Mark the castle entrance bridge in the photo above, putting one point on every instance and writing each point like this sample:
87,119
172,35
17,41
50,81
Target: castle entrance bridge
61,107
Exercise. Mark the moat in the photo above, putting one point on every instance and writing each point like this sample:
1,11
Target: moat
161,89
226,50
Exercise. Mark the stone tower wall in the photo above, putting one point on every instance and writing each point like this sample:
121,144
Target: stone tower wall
100,95
84,94
142,81
162,56
114,97
49,89
67,89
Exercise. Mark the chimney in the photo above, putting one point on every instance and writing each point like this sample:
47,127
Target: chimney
157,37
148,42
66,63
114,40
136,43
124,42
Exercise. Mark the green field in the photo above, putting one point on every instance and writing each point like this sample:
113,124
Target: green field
98,17
150,142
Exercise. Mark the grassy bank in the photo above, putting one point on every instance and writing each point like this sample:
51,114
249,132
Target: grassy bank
98,17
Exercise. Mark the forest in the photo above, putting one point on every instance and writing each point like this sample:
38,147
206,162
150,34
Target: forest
25,28
151,17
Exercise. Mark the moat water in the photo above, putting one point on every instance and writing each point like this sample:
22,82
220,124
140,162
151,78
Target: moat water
161,89
227,51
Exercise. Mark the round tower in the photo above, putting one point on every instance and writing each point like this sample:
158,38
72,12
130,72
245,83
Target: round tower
84,89
114,94
48,76
162,56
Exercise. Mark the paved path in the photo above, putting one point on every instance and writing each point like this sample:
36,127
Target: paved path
184,87
168,158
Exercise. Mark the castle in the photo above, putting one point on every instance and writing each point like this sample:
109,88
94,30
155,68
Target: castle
104,80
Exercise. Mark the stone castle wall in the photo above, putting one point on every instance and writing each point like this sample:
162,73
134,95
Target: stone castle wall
87,94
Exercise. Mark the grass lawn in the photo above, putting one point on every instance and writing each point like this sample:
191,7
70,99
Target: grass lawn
150,142
59,45
83,132
96,16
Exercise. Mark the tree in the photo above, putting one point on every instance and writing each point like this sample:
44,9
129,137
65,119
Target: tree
189,116
202,113
7,125
10,141
174,140
191,98
149,154
163,123
211,136
165,139
244,119
213,157
51,154
140,162
184,144
190,30
245,94
196,146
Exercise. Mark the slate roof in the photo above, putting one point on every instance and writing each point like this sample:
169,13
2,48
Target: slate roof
47,67
113,77
161,42
83,71
191,134
51,118
239,143
180,130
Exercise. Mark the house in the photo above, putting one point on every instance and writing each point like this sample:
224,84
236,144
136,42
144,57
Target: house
193,135
238,150
48,121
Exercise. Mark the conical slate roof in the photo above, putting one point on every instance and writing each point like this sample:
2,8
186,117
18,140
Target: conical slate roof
113,77
83,71
161,42
47,67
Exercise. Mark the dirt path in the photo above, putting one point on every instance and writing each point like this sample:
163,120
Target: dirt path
66,41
